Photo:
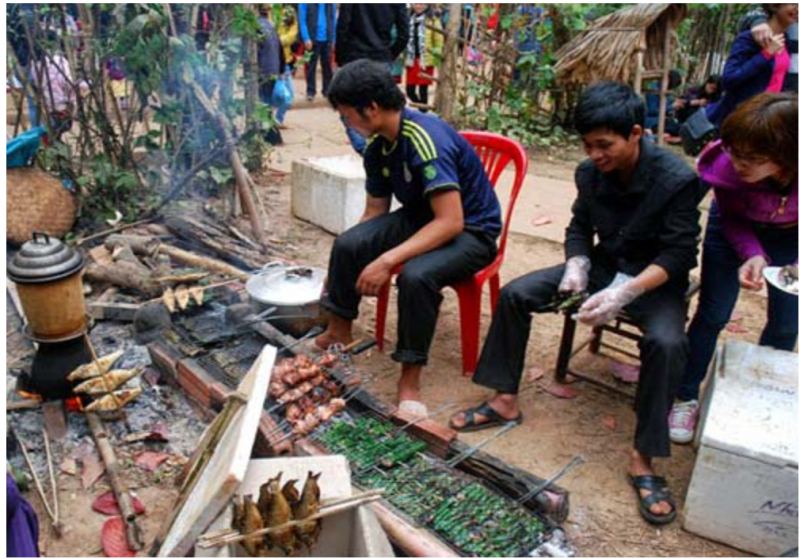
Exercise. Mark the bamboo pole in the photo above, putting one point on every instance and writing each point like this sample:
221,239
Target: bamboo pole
662,96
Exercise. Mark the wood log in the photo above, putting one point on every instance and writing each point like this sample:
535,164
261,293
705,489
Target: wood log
123,312
124,501
140,244
124,253
123,274
239,171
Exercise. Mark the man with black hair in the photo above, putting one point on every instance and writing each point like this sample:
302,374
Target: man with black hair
444,232
641,202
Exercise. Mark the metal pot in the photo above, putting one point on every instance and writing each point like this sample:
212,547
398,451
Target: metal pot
48,277
295,291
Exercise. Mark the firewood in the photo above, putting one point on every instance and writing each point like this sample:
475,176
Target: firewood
124,274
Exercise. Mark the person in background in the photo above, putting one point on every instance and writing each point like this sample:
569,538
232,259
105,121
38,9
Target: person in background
697,98
752,68
752,223
288,33
270,56
22,526
756,21
652,98
424,46
378,32
317,31
631,242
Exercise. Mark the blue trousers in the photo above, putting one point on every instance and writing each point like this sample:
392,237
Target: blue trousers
719,290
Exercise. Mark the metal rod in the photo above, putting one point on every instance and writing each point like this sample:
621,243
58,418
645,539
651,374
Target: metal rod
576,461
469,452
315,331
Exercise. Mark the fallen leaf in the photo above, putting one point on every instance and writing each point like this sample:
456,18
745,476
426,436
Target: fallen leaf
541,220
736,328
561,391
69,466
84,449
534,374
107,504
152,376
736,317
159,432
625,372
150,460
609,422
115,542
93,468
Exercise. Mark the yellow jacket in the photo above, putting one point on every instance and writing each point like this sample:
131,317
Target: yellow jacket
287,32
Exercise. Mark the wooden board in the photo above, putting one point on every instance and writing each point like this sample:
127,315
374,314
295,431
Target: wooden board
225,471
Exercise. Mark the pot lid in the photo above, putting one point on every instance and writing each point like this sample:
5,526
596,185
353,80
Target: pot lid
295,285
44,259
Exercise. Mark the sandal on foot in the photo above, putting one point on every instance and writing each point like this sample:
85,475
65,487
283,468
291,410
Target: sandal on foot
484,409
657,485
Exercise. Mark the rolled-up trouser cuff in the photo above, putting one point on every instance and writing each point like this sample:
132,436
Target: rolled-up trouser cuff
410,357
347,314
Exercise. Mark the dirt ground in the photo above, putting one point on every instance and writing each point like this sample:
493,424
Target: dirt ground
595,424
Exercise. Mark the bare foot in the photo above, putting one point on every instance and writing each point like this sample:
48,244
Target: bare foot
339,331
642,465
408,387
327,339
504,404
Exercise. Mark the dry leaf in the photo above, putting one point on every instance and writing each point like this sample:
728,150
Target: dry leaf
561,390
150,460
609,422
93,468
534,374
625,372
69,466
541,220
736,328
114,538
107,504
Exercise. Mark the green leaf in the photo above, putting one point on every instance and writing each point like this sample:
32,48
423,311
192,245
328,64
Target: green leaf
221,175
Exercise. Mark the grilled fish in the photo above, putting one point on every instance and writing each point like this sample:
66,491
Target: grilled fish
238,513
290,493
197,294
95,368
109,401
107,382
308,532
168,298
182,297
252,521
279,512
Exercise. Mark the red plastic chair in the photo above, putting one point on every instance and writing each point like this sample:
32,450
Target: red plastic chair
495,152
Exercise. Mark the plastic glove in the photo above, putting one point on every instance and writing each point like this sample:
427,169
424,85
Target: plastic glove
606,304
576,275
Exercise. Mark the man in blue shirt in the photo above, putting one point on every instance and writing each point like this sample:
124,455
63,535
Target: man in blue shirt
444,232
317,30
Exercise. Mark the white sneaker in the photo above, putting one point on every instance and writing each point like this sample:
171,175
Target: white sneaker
682,420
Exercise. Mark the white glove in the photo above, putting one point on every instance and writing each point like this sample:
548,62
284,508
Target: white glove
606,304
576,275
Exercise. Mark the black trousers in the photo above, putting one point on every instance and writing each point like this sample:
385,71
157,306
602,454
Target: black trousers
664,348
321,50
419,283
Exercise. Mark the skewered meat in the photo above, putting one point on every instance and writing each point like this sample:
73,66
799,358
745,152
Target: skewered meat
308,505
327,360
95,368
293,412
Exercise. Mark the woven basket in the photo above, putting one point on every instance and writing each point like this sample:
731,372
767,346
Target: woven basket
36,201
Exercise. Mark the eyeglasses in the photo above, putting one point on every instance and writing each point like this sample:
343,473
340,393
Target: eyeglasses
747,159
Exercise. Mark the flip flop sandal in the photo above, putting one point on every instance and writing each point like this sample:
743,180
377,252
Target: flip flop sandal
657,485
484,409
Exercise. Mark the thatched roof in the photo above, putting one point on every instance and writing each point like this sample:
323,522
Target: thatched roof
607,49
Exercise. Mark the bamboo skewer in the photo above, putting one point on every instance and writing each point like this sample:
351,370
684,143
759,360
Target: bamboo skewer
329,509
53,515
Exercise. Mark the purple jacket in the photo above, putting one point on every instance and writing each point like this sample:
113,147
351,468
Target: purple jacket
741,205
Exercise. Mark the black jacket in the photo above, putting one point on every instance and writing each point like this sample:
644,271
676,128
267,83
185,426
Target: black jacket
365,31
654,220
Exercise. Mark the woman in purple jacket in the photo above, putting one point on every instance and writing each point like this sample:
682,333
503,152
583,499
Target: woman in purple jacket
752,223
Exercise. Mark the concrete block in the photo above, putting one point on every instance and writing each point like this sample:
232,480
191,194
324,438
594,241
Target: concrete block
329,191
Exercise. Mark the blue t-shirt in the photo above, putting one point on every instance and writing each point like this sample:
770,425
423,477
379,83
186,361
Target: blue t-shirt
430,156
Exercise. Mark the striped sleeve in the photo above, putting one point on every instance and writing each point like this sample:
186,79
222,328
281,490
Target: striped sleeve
434,162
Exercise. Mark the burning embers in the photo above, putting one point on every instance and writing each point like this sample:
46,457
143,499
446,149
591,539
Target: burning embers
307,393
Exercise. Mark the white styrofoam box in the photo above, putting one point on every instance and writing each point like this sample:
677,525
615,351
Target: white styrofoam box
329,191
743,490
352,533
